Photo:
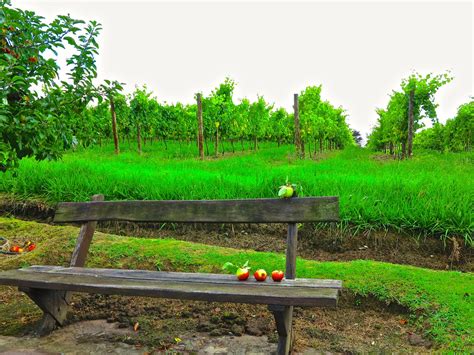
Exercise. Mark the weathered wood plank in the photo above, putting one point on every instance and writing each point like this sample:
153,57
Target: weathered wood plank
306,209
284,315
239,293
283,319
291,246
180,276
51,302
84,239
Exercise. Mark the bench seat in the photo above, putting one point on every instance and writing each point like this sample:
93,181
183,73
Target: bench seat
179,285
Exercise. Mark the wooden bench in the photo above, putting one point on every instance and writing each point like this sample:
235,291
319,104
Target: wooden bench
50,287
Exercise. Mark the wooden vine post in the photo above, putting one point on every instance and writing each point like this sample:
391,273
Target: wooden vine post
200,136
297,126
216,143
411,98
114,125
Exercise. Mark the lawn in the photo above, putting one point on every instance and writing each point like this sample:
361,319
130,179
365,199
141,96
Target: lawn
440,301
432,194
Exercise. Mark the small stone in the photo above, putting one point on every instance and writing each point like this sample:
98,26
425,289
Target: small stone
415,339
186,314
205,327
252,330
216,332
237,330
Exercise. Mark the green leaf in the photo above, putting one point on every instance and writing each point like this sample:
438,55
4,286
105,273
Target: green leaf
71,41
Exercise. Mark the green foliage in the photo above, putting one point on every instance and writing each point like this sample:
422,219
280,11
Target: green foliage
455,136
231,122
391,132
37,111
321,122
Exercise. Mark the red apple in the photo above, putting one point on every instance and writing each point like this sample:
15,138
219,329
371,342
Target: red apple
242,273
260,275
277,275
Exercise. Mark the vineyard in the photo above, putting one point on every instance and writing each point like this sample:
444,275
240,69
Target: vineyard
406,198
143,119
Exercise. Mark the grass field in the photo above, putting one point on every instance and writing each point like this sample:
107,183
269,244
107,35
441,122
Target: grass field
440,301
431,194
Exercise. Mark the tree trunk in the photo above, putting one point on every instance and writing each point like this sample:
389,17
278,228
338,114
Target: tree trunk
410,124
255,144
200,127
404,150
216,143
242,143
207,146
297,126
232,143
391,148
320,145
139,140
114,125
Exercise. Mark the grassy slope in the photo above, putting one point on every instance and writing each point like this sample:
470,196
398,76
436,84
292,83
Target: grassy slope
432,193
443,299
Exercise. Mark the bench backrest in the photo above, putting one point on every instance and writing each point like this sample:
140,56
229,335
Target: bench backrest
306,209
291,211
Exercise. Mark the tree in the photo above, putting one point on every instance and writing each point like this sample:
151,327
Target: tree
455,135
402,116
259,116
321,122
419,92
357,137
33,122
140,112
109,90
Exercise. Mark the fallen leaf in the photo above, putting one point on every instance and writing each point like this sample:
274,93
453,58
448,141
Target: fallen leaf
136,326
403,321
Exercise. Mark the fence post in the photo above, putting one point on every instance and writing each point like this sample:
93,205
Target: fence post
200,137
297,126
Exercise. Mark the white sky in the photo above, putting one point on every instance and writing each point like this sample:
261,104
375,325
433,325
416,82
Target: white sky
358,51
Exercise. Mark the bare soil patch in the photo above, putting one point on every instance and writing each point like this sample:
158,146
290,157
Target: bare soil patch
106,323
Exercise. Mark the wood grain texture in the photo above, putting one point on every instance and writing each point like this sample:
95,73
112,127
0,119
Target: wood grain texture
252,293
181,276
51,302
283,319
291,248
84,239
306,209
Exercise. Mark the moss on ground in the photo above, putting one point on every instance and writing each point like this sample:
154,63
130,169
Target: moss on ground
440,301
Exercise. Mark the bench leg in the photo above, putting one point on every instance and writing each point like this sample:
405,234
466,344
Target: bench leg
54,305
283,319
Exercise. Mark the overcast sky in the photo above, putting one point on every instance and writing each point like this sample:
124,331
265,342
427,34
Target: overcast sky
358,51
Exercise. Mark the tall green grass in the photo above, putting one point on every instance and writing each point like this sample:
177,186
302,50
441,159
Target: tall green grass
432,193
